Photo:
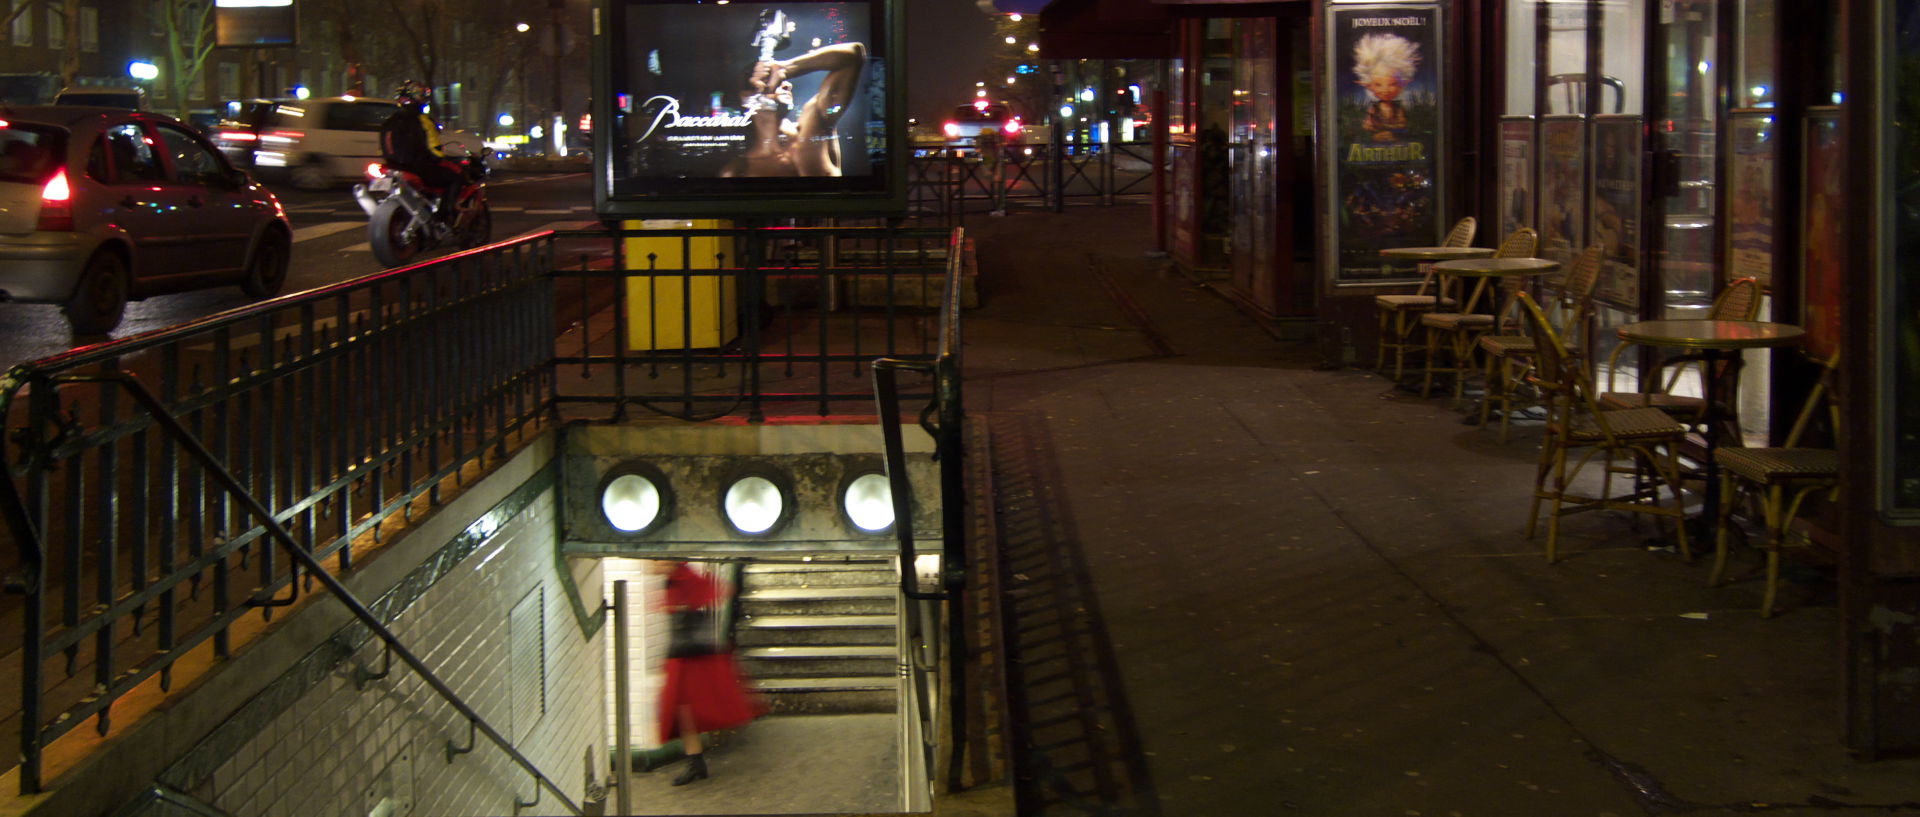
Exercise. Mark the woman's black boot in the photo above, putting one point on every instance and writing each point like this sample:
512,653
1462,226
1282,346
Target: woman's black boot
696,770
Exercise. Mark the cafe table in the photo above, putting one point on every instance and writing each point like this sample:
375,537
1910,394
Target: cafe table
1718,342
1464,331
1486,269
1429,257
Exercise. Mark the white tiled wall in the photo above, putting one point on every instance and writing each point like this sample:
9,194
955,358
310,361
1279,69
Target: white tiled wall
339,750
646,650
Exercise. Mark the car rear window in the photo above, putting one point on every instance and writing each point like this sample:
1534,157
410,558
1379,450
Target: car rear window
30,153
361,116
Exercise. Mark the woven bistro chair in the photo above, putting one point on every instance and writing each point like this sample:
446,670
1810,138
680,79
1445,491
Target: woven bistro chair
1460,332
1398,313
1782,478
1739,301
1579,432
1509,356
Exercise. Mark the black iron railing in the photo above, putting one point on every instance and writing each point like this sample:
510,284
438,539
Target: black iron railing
344,410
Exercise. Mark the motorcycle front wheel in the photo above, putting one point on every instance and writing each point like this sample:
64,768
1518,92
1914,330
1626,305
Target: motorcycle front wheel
387,235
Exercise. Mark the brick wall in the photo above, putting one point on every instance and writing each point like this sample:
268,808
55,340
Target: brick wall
342,747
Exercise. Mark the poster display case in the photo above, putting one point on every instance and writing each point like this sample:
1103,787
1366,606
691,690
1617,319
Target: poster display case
1383,136
785,108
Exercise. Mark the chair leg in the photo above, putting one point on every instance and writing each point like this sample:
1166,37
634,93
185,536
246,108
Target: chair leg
1559,500
1727,496
1540,481
1380,348
1672,477
1494,389
1433,342
1776,530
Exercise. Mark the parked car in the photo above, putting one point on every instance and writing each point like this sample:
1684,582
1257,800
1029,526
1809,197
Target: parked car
963,129
101,206
313,143
132,99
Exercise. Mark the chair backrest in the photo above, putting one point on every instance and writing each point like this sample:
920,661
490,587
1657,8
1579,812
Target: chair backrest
1740,301
1822,391
1462,233
1560,377
1520,243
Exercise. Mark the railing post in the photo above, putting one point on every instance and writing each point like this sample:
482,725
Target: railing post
622,739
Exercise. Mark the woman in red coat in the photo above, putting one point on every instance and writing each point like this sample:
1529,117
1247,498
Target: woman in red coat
703,689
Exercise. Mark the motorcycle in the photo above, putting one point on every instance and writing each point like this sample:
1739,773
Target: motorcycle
404,218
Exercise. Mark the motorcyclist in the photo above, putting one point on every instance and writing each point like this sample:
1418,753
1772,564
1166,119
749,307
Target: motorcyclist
410,141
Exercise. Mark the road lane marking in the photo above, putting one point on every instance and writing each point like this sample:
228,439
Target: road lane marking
327,229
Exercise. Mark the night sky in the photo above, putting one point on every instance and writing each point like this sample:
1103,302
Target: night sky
947,46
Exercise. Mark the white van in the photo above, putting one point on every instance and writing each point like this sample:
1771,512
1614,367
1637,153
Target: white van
314,143
132,99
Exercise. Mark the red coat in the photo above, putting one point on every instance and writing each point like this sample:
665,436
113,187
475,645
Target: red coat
711,686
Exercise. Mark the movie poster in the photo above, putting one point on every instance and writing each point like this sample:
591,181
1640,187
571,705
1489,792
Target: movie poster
1563,170
1825,213
1750,192
1516,174
748,91
1386,129
1616,219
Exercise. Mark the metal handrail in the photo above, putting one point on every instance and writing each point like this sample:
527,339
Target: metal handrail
949,451
218,470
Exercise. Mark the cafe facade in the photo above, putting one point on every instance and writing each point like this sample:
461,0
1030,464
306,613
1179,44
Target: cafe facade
1695,141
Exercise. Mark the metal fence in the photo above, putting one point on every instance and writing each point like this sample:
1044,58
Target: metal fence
948,183
345,410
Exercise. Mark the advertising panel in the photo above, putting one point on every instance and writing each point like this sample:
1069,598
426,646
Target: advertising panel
1750,192
1616,219
1516,174
1385,144
785,108
1825,211
254,23
1563,174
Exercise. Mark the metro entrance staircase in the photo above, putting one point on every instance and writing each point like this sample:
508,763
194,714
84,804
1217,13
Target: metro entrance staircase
821,637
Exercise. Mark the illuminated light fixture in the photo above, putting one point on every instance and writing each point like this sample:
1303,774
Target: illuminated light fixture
982,92
755,504
506,120
1015,17
1066,110
1012,80
1759,90
1012,40
302,92
142,70
1086,94
867,500
635,498
522,27
1033,47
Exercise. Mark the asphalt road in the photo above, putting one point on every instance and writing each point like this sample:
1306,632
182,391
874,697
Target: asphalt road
330,245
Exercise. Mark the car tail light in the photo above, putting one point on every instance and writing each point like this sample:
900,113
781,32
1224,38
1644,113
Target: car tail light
375,171
238,136
56,204
952,129
1012,127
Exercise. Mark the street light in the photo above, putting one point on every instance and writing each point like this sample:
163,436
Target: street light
524,116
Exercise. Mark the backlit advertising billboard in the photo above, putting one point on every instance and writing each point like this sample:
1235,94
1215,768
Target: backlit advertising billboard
743,108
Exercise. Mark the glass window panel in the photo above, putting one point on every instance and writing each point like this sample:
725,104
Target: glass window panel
1522,29
1623,56
1566,56
1758,38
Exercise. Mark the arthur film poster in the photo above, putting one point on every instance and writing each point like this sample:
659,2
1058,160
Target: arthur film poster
1386,145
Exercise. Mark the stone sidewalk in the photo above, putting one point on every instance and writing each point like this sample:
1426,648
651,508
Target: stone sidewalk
1241,584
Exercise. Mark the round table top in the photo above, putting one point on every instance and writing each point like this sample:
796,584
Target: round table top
1498,266
1706,334
1435,253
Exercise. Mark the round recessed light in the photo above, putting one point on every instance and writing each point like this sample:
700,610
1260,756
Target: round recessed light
632,502
754,505
868,502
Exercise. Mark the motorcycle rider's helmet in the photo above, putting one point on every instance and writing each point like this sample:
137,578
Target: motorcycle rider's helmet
412,93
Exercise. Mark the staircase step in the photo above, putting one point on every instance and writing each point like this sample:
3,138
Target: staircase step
819,661
820,574
828,600
795,696
763,631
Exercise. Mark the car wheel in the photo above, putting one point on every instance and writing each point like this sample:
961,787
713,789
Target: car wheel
267,269
312,175
101,297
